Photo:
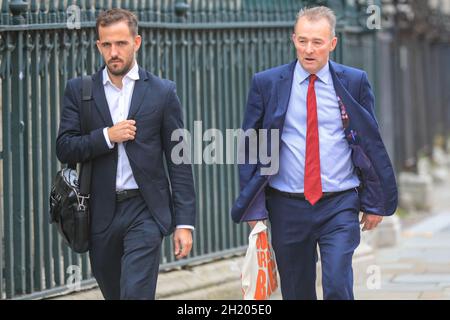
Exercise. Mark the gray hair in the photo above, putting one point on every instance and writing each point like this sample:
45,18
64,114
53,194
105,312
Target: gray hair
317,13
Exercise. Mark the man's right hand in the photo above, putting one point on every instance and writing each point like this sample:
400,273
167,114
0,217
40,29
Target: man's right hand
252,224
122,131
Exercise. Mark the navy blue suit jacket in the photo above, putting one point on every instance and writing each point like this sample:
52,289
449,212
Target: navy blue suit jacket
267,104
157,111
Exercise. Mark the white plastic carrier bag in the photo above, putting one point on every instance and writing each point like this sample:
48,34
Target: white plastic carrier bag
259,270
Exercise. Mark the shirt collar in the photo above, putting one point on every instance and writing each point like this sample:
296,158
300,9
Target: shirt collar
133,74
324,74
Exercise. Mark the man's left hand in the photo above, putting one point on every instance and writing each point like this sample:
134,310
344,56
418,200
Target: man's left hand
182,242
370,221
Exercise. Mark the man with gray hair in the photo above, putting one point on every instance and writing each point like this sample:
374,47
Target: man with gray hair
333,163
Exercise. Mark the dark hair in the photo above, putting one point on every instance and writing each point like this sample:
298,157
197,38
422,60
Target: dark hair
109,17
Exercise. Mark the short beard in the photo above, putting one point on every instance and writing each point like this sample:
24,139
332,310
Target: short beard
121,72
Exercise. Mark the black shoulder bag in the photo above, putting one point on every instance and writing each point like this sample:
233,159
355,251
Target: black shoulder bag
69,198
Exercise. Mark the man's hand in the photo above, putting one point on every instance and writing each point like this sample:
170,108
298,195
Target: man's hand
370,221
122,131
182,242
252,224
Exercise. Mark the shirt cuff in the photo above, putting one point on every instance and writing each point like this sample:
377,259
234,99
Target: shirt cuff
185,226
108,142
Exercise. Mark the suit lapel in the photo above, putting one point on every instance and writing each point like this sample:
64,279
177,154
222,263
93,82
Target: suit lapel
98,94
139,91
283,90
360,119
340,83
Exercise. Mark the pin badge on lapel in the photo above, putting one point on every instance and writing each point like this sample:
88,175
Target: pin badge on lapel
344,115
352,136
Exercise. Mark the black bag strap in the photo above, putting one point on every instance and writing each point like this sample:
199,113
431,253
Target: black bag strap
86,98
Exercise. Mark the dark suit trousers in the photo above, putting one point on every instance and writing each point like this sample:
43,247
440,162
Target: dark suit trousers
125,257
297,228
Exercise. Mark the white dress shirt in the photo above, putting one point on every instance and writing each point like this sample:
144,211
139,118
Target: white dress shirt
119,101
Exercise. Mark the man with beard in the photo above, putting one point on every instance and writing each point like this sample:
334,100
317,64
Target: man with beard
133,114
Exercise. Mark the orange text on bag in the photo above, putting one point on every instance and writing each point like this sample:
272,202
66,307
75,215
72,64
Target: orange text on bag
266,263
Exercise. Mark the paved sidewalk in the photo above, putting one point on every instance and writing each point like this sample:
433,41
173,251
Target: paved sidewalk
417,268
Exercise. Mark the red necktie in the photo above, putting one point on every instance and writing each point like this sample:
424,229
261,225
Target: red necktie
312,183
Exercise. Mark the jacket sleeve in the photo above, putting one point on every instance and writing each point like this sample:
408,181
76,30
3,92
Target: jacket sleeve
366,96
180,174
71,145
253,119
366,156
